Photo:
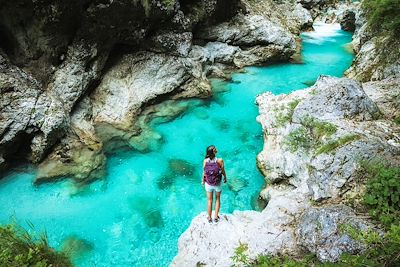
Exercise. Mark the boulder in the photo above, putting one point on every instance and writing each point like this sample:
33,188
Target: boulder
248,31
322,231
337,99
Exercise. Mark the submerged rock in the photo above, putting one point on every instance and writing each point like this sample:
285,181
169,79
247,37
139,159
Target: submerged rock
236,184
148,209
166,181
76,248
180,167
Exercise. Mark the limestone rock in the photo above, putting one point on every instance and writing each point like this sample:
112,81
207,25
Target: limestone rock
248,31
378,53
266,232
60,49
329,162
377,59
139,78
79,154
177,44
347,20
322,231
286,14
19,95
70,82
337,99
386,94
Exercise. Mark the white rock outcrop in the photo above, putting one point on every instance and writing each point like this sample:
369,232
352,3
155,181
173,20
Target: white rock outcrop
323,166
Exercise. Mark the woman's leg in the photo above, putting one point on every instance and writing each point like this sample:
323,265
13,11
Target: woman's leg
217,203
209,203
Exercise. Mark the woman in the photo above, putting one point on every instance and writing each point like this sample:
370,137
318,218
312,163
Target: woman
213,170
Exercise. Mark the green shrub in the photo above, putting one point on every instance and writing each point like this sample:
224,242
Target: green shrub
382,192
298,138
383,249
383,15
318,129
332,145
18,248
309,135
240,257
283,118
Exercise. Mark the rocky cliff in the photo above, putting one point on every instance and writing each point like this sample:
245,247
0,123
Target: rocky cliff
315,141
75,76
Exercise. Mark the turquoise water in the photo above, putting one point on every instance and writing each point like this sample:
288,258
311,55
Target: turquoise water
135,215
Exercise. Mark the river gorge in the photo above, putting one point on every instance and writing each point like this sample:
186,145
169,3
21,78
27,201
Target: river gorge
104,125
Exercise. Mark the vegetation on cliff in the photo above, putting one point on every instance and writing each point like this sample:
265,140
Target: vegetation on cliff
19,248
381,200
383,15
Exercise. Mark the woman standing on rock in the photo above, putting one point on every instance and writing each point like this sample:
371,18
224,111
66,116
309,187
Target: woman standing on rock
213,169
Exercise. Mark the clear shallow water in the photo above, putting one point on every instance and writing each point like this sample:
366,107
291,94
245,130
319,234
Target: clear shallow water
135,216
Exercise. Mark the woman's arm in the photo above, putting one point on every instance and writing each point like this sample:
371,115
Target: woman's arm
203,177
222,166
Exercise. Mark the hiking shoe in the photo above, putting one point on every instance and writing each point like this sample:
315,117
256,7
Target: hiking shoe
209,220
216,219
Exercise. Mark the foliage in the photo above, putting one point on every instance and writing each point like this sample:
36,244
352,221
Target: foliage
282,119
332,145
240,256
397,120
383,15
382,192
168,3
18,248
383,249
298,138
309,135
317,128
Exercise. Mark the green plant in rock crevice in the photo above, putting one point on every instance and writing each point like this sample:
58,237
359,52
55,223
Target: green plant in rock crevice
240,257
332,145
283,118
309,135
